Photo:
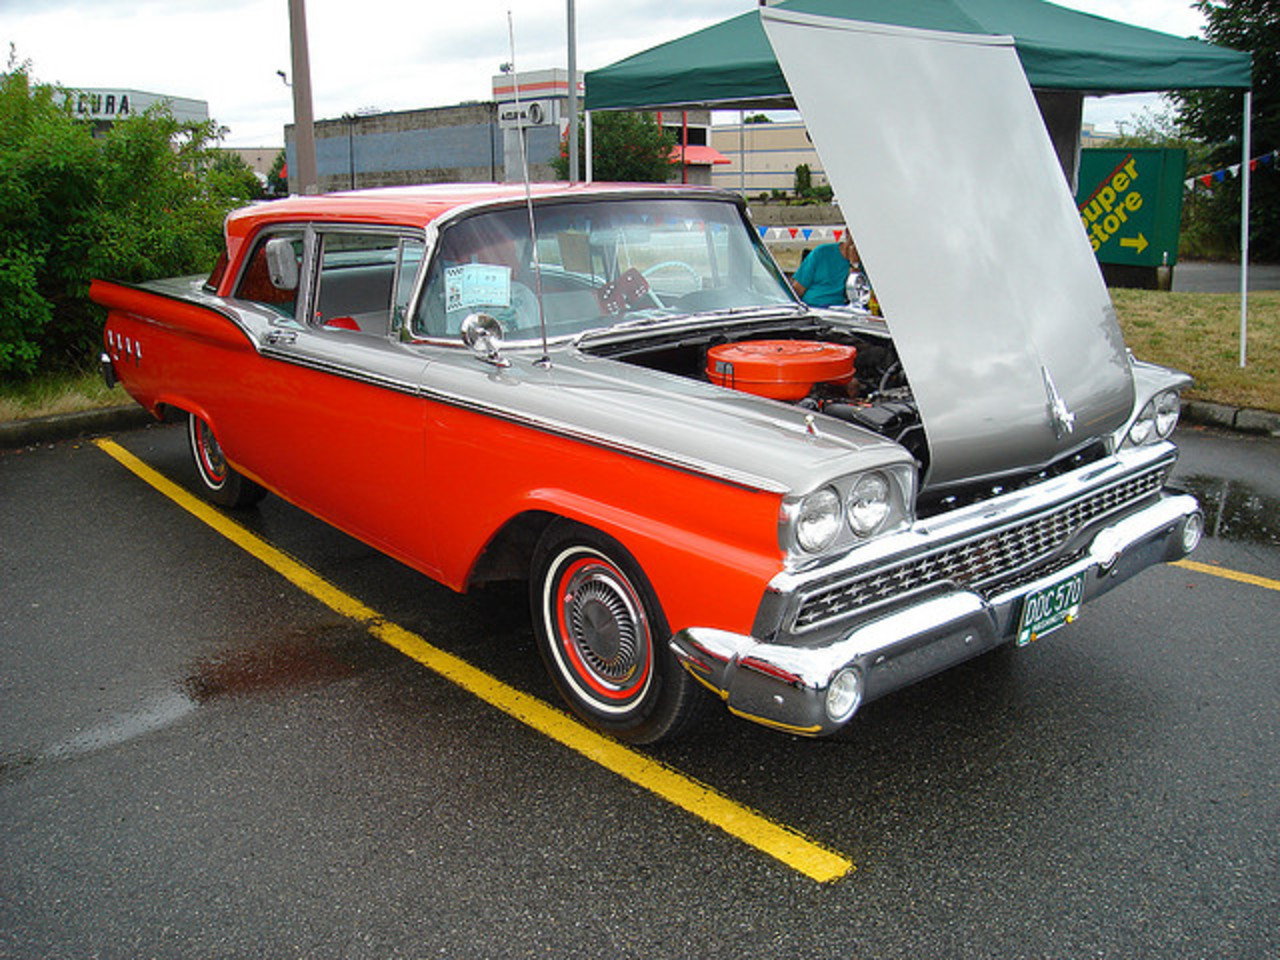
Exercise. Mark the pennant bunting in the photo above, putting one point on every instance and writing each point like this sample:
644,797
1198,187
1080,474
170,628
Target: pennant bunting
1220,176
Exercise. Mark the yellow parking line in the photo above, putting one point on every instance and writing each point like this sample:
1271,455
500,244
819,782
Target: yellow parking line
779,841
1228,574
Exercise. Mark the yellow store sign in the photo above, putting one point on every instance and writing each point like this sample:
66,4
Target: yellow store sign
1130,204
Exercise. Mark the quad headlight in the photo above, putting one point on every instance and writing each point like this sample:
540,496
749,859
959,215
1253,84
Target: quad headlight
818,520
870,504
1157,419
853,509
1168,408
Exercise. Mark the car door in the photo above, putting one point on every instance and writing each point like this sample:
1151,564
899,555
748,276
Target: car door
341,431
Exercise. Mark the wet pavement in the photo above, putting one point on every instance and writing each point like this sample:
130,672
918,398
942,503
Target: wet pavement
197,760
1235,510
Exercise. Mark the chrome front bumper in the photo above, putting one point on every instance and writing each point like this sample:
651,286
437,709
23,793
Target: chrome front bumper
786,685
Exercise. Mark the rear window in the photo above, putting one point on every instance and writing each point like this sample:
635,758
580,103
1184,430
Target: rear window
219,271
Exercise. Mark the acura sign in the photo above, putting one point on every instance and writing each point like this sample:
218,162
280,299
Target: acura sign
530,113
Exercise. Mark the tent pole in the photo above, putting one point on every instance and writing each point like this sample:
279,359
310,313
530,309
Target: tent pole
590,166
1244,225
684,146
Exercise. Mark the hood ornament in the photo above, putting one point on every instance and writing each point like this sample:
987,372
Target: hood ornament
1064,421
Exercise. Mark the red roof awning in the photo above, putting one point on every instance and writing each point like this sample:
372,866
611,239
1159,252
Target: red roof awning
697,155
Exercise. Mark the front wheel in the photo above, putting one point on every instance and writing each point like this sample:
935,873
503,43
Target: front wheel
603,637
219,481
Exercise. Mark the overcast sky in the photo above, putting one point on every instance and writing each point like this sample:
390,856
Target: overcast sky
383,54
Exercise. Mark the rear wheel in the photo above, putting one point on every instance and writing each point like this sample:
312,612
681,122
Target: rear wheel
219,481
603,637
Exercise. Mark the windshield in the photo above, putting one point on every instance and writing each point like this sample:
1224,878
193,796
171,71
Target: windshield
602,262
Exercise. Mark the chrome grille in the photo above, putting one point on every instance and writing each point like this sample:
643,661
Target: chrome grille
982,561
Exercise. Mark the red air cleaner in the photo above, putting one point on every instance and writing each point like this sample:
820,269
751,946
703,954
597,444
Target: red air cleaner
780,369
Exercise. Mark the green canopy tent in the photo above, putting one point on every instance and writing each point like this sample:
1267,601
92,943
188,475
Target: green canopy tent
1064,53
731,65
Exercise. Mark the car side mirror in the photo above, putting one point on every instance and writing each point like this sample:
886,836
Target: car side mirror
483,334
282,264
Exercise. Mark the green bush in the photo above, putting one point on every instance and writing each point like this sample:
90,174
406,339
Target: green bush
146,200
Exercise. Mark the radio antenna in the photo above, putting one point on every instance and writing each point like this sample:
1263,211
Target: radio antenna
528,196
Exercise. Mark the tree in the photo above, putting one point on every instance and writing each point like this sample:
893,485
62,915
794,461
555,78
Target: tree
277,178
626,147
805,191
48,175
1214,118
804,180
230,176
145,201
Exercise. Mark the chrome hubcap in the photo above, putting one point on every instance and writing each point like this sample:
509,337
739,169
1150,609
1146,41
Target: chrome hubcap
603,625
215,463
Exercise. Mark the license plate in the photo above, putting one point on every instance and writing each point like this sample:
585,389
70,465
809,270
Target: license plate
1050,608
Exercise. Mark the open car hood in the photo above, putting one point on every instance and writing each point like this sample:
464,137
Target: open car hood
948,181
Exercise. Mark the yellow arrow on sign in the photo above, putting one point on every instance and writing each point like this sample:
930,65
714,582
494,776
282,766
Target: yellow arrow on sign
1139,244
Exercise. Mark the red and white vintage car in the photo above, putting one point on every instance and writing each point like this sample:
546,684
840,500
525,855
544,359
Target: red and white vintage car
612,392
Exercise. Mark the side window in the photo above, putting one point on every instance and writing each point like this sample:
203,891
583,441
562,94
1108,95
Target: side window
357,284
272,275
411,253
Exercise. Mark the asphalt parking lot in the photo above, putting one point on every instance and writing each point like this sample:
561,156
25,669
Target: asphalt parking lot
198,758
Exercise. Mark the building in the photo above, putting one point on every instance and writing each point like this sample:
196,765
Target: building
431,145
103,106
1091,137
478,141
259,159
762,157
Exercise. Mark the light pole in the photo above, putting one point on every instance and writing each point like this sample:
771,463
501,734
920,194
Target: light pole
304,132
351,147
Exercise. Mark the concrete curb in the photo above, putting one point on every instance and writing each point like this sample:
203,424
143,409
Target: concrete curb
1231,418
66,426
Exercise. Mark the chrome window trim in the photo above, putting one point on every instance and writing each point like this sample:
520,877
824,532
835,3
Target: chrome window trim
464,211
253,245
311,231
318,229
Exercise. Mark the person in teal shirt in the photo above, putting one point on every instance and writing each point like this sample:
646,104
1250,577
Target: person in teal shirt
821,278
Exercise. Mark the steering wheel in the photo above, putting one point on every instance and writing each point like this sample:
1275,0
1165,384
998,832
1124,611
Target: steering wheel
679,264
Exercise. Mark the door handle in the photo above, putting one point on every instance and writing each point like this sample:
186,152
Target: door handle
280,338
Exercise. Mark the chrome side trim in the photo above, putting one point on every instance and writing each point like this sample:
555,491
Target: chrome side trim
559,428
567,430
359,374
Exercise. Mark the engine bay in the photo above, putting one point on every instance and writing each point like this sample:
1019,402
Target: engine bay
829,368
850,371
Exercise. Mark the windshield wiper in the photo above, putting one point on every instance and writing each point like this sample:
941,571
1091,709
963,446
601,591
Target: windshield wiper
757,310
639,319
